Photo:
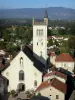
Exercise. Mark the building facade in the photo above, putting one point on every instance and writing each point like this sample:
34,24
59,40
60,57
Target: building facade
65,61
22,73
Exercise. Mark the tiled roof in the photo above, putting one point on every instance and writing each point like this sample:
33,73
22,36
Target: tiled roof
37,63
57,74
64,57
62,87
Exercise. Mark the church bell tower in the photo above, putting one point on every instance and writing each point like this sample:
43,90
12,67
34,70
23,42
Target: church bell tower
40,38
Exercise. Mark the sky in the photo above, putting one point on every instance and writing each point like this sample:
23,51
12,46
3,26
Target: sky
9,4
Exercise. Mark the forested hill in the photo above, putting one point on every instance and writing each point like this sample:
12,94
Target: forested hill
53,12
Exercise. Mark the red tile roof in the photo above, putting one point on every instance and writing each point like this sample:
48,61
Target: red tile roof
64,57
54,83
74,59
57,74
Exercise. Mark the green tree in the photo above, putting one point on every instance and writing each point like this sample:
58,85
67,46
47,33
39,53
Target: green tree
64,48
50,42
49,32
6,35
71,42
61,31
56,43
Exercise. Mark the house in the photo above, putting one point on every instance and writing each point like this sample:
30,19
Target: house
53,89
26,68
3,88
55,74
52,57
65,61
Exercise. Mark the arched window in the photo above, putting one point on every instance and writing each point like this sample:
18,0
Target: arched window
42,32
21,61
21,75
37,32
35,83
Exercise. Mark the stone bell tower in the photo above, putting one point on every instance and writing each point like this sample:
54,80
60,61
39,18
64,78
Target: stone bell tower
40,38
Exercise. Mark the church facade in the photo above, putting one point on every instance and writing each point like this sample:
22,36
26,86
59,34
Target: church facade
26,69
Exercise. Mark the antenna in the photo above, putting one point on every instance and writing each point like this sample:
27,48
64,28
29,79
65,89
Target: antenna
46,4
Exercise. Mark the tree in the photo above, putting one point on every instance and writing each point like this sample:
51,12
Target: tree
64,48
50,42
61,31
49,32
56,43
71,42
6,35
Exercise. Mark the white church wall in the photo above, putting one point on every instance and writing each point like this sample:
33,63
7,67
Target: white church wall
12,73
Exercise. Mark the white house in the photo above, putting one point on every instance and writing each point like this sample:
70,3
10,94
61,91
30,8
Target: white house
53,89
65,61
25,70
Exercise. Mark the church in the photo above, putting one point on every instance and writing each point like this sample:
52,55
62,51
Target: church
26,69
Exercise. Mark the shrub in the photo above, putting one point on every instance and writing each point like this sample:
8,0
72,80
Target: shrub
13,92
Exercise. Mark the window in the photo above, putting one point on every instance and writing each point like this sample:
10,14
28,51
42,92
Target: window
64,65
37,32
57,96
41,53
37,43
42,32
21,61
35,83
21,75
42,43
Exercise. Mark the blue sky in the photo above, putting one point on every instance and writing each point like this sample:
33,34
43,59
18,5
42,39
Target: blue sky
36,3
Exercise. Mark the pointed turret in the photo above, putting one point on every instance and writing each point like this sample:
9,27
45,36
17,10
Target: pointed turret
46,17
46,14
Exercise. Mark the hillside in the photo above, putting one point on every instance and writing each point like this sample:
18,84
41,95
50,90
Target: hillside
53,12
